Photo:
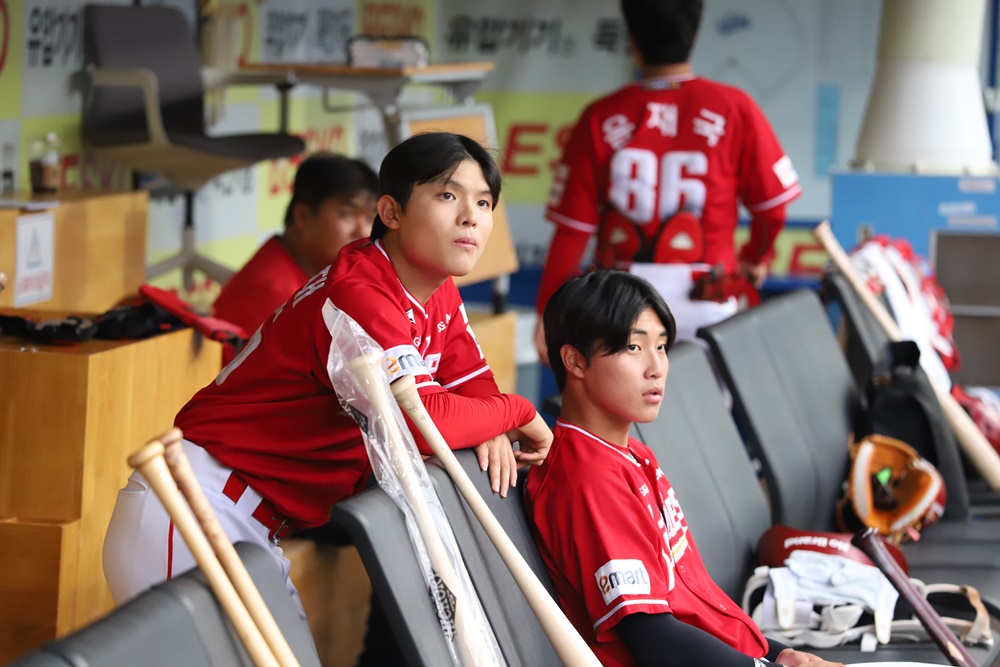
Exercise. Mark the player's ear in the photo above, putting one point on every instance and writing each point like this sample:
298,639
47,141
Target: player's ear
574,362
301,214
389,211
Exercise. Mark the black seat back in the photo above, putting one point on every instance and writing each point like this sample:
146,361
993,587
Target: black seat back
701,453
379,531
795,401
179,622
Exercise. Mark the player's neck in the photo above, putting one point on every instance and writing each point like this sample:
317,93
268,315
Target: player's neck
579,410
657,71
417,282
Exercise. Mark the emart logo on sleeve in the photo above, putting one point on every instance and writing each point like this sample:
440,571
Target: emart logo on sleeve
622,577
404,360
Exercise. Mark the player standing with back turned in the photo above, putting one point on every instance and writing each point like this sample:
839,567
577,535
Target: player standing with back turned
657,170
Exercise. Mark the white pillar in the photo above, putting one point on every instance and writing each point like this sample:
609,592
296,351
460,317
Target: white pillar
925,112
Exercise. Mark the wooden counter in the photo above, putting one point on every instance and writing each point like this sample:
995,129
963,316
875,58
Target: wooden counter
69,417
99,249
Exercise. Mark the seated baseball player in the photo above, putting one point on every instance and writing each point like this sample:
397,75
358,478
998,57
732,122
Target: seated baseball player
333,203
607,522
268,440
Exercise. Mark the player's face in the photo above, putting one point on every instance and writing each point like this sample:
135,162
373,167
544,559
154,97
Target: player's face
446,224
628,386
338,221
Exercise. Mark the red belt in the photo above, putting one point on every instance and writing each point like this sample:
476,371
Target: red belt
278,527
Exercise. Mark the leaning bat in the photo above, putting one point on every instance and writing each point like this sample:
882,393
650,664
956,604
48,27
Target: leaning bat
567,642
970,438
149,461
367,369
180,469
870,542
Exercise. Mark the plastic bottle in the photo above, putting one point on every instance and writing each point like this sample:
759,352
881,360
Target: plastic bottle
45,164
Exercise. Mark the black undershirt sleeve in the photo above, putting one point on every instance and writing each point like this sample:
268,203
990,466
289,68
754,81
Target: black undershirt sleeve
660,640
773,649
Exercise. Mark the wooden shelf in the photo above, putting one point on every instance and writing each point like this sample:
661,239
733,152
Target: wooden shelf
71,417
99,253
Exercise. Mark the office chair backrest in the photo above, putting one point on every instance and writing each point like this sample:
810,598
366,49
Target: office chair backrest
179,622
155,38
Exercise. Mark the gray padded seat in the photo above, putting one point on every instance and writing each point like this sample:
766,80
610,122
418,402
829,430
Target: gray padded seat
379,532
795,401
701,453
179,622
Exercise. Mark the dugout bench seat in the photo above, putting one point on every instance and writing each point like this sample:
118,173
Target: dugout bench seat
179,622
700,450
697,444
795,401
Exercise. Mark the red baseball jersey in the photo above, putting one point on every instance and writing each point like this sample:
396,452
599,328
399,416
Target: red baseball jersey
260,287
664,145
271,414
615,542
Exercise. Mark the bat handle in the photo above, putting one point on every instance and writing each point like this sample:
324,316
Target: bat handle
870,542
571,648
149,461
183,474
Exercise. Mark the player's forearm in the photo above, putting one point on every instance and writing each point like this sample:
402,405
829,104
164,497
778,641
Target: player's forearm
764,229
660,640
481,385
562,263
467,422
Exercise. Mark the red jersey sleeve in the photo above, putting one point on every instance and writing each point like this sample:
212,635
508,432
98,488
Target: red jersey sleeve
566,252
574,199
767,177
468,422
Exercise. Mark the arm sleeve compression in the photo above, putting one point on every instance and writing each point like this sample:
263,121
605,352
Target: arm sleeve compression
468,422
660,640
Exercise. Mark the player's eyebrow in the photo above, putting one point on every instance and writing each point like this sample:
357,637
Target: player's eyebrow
643,332
451,182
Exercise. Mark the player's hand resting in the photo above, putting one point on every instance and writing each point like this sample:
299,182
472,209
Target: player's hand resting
757,273
534,439
792,658
496,456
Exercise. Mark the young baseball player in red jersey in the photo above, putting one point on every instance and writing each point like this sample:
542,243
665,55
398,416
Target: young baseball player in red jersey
268,439
658,168
607,522
333,203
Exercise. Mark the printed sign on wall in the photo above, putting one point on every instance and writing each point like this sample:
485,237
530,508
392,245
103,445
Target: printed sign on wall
34,263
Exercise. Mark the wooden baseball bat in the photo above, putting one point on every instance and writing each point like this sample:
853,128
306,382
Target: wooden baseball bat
149,461
970,438
870,542
567,642
180,468
367,369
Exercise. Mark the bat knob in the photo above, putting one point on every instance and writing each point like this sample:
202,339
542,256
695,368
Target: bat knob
146,454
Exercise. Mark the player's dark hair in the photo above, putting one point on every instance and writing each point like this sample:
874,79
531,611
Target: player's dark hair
595,313
324,175
663,31
426,157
